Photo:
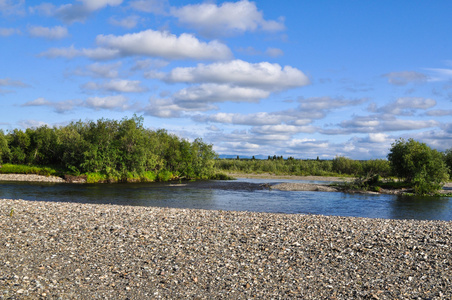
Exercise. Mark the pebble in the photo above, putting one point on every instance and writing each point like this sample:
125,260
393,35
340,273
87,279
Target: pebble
30,177
77,251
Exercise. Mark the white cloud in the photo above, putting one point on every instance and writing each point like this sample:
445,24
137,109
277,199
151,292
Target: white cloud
327,103
118,102
93,5
163,108
53,33
59,107
405,106
37,102
77,12
440,74
128,22
260,118
212,93
147,43
71,52
164,44
439,112
227,19
274,52
144,64
8,31
405,77
124,86
6,82
283,129
377,124
102,70
11,82
151,6
378,137
32,124
262,75
46,9
12,7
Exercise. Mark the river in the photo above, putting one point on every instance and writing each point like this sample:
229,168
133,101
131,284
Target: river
237,195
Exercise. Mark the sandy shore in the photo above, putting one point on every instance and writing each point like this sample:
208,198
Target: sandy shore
81,251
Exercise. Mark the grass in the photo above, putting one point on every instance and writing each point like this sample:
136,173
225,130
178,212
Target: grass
23,169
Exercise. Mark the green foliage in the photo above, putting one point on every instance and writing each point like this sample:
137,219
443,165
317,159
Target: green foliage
164,175
276,165
343,165
418,164
448,160
4,149
96,177
113,150
24,169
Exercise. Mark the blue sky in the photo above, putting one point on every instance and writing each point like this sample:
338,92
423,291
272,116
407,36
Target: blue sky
291,78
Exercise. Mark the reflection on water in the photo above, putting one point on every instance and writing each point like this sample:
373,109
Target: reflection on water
240,195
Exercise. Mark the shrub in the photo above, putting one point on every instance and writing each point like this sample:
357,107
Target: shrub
418,164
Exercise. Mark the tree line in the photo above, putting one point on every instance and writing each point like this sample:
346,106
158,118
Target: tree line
413,163
277,165
111,150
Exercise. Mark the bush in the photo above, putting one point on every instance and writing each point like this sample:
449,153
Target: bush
418,164
448,160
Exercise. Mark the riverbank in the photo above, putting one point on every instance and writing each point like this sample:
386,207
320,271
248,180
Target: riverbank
287,186
68,250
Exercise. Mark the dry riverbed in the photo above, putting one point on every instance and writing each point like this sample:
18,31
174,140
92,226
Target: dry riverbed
54,250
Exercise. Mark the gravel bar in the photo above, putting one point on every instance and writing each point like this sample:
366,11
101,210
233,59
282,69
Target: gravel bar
55,250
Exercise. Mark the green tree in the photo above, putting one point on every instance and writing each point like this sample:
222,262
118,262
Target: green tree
418,164
448,160
19,143
4,148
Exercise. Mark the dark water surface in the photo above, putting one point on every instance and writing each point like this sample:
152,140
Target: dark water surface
237,195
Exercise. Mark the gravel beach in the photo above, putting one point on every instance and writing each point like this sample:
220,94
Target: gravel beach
79,251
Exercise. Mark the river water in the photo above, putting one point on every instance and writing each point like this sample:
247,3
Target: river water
237,195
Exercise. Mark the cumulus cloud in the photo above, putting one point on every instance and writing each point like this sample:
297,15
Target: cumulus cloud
59,107
229,18
52,33
327,103
260,118
213,93
118,102
71,52
123,86
147,43
164,44
281,129
377,124
264,75
405,106
100,70
405,77
77,12
164,108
